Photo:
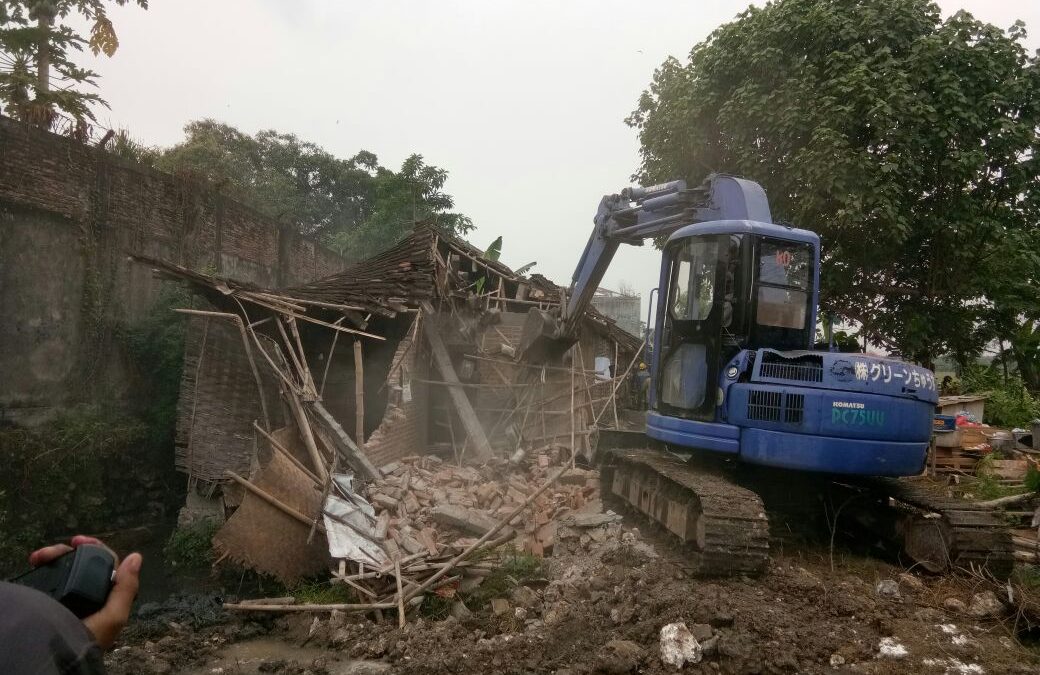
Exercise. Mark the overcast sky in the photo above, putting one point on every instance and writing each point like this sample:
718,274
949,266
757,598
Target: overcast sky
522,102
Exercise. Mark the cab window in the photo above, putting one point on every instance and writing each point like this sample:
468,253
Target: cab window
693,282
782,296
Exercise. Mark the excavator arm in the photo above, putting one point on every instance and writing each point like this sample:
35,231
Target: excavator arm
632,217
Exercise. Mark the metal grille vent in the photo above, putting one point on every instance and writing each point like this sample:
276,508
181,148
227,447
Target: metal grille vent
794,408
807,368
764,405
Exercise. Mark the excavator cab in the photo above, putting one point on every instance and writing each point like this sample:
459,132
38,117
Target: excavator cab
741,285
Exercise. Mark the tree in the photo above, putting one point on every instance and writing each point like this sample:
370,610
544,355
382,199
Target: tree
32,48
403,198
354,205
1012,307
907,142
278,174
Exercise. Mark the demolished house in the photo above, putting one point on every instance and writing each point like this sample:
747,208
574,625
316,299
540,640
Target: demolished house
378,418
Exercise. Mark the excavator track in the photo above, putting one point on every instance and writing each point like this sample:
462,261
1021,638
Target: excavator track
723,524
943,534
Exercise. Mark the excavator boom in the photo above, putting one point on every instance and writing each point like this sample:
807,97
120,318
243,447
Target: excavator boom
631,217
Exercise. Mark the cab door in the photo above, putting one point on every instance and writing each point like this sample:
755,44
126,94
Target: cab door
699,295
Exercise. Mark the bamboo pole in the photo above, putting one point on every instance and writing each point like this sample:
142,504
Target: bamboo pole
619,381
521,364
324,495
301,371
308,436
613,396
328,360
400,594
240,607
573,453
308,378
269,498
359,395
288,455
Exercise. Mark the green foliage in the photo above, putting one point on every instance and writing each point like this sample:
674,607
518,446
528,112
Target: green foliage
1027,576
401,199
155,346
355,205
513,571
278,174
52,480
323,593
31,29
125,146
988,485
493,252
191,547
1032,479
1009,405
907,141
435,607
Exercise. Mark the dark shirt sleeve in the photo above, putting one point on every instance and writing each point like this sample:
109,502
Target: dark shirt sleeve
39,636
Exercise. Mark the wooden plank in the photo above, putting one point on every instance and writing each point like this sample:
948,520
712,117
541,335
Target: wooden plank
442,359
334,433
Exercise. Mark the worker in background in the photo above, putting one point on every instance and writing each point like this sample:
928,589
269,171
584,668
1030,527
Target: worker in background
39,636
641,383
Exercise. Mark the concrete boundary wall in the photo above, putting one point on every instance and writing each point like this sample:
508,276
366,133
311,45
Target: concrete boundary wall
69,214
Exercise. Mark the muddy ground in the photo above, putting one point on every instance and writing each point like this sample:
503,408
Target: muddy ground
598,606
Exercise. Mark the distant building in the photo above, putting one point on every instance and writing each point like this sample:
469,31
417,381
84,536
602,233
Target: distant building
624,308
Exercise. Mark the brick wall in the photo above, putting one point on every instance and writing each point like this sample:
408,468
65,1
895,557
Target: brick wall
403,429
69,214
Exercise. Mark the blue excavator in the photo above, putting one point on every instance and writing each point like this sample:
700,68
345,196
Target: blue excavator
735,382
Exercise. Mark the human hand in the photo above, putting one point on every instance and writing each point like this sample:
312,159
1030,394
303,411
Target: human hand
105,624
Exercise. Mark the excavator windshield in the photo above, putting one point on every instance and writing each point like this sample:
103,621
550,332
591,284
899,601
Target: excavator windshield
783,293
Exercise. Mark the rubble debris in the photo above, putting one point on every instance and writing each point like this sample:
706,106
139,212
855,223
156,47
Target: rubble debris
461,518
986,605
619,656
890,648
888,588
911,582
678,646
396,534
586,520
